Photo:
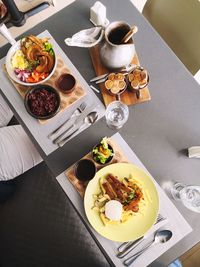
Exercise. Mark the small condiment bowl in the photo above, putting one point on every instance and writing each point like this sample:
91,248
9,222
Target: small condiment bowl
66,83
85,170
108,159
35,95
136,88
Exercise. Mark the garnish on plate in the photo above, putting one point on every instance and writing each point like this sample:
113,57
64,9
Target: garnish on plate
103,152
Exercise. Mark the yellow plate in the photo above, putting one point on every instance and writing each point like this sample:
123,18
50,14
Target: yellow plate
137,225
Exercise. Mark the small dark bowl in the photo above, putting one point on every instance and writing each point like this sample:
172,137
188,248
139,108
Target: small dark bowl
85,170
108,159
66,83
41,93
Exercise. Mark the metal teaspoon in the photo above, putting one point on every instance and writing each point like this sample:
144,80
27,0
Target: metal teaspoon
161,236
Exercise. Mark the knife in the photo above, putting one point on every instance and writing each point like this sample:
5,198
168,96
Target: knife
76,125
99,77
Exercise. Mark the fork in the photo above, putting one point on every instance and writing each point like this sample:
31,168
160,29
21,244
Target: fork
127,247
128,68
60,129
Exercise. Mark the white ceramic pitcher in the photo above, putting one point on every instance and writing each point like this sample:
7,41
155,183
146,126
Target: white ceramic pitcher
115,54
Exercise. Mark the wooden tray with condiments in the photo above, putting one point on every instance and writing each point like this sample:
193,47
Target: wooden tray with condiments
81,186
128,97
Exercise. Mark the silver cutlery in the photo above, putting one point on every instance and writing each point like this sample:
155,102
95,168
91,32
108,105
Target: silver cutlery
160,236
60,129
78,120
91,118
104,76
127,247
94,89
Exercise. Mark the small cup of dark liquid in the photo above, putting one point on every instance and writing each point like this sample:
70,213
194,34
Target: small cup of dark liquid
85,170
66,83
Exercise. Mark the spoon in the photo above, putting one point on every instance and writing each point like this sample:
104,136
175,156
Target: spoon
129,34
160,236
90,119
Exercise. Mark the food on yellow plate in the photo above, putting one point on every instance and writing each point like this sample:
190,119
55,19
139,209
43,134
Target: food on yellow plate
34,61
138,78
119,199
115,83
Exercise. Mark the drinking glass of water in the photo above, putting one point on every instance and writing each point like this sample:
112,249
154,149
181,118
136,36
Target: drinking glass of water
189,195
116,114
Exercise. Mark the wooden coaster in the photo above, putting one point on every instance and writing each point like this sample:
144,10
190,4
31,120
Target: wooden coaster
129,98
81,186
66,99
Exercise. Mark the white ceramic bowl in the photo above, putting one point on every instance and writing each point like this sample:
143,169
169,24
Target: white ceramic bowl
10,69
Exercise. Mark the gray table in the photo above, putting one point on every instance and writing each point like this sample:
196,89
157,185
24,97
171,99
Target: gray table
158,131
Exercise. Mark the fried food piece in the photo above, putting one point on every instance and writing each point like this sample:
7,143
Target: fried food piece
138,78
119,184
109,84
122,85
109,191
115,83
115,90
111,76
116,189
33,49
119,76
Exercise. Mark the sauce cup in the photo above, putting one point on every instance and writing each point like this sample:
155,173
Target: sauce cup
66,83
85,170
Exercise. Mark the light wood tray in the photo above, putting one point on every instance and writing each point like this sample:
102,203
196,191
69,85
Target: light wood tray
66,99
81,186
127,97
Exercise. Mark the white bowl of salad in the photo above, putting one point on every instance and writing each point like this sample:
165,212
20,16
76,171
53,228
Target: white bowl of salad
31,61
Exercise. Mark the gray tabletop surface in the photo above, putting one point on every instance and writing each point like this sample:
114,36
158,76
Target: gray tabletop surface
159,131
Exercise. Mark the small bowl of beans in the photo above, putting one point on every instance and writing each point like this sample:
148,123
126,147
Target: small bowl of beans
42,102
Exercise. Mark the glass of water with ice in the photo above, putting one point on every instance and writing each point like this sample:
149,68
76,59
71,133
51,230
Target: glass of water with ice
189,195
116,114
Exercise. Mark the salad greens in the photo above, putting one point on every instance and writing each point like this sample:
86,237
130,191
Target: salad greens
102,152
49,48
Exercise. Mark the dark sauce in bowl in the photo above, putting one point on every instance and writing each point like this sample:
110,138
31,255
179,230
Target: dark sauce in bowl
66,83
85,170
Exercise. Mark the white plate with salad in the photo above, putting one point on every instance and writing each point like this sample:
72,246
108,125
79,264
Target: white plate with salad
31,61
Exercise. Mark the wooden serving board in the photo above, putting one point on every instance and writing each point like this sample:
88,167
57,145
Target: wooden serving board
128,97
66,99
81,186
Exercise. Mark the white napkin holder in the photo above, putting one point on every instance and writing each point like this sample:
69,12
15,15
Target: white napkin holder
98,14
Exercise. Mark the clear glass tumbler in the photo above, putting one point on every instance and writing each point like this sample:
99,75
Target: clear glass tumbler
116,114
189,195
